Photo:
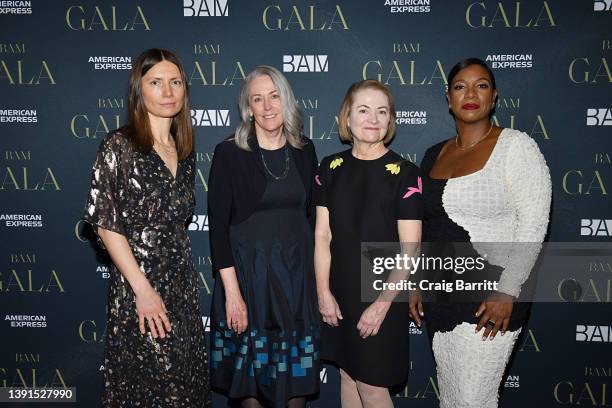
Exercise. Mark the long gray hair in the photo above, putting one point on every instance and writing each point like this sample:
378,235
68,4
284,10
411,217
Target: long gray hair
292,117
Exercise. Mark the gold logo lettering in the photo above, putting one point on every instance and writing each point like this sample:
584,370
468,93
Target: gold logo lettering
15,180
198,75
397,73
79,125
17,75
295,19
76,19
476,16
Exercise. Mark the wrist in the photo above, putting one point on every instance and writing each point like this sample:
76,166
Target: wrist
323,290
233,294
501,297
140,286
382,305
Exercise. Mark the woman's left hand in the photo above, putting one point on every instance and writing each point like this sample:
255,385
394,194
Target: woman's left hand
498,309
371,319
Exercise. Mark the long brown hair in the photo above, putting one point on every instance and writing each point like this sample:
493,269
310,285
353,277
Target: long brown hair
139,128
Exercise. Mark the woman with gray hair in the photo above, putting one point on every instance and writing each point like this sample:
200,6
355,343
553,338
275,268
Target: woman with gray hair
264,319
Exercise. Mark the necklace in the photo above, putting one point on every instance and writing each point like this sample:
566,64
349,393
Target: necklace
473,143
285,172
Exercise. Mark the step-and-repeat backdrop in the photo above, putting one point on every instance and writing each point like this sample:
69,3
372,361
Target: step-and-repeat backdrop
64,67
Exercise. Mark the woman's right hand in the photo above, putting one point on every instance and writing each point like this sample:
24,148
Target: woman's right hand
236,312
416,306
329,309
151,308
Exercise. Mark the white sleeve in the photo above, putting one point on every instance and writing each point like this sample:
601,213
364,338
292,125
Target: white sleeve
530,190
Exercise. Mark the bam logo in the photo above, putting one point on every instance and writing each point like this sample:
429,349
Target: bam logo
305,63
210,117
323,375
596,228
205,8
599,116
206,323
594,333
198,223
602,5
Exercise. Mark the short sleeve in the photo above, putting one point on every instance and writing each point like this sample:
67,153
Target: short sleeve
102,208
321,184
410,195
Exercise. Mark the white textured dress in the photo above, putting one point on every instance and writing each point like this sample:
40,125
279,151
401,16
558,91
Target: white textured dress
507,201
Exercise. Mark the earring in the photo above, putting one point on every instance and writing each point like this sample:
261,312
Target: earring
251,119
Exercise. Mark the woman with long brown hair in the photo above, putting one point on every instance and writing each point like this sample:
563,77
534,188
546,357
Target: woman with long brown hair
142,194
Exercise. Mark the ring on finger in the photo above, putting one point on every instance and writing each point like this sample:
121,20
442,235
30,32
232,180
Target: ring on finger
491,323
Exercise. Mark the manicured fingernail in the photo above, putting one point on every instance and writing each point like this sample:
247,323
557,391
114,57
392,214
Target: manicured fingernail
503,333
483,338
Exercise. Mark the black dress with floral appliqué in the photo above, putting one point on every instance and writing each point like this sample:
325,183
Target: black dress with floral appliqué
365,200
135,194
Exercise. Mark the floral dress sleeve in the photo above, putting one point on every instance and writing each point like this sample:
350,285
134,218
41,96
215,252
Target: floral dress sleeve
103,202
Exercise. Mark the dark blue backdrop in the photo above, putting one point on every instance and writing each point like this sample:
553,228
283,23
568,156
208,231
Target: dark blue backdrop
63,78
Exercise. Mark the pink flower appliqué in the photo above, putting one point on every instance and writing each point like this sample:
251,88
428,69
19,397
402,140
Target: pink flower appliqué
412,190
317,180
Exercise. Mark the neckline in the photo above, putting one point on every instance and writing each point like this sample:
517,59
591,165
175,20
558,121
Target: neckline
350,153
178,163
497,142
273,150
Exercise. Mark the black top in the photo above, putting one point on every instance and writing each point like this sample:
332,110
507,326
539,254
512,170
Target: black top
236,184
275,161
277,358
444,313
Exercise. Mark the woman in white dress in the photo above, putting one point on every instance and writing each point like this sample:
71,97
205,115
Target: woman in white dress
487,185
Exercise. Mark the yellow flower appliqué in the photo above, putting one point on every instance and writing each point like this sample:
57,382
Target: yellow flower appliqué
336,162
393,168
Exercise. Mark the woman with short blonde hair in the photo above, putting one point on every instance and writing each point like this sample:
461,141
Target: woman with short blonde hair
366,193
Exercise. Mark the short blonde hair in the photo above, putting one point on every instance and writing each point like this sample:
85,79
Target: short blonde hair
345,109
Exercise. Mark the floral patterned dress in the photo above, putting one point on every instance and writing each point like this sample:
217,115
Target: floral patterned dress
136,195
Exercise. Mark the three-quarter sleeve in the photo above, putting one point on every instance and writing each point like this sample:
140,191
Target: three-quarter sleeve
529,185
220,209
409,200
321,184
103,207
